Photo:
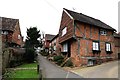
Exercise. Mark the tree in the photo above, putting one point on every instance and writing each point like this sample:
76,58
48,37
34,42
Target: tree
31,43
32,37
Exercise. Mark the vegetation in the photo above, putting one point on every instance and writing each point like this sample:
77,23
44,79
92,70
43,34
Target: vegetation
32,43
29,72
69,63
58,59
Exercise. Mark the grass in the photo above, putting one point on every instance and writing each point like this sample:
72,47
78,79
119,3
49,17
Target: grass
29,65
28,73
23,73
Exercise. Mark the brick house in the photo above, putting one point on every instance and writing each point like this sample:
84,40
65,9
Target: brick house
10,31
88,41
54,46
117,44
48,38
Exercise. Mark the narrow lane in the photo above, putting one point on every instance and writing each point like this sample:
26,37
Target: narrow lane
50,70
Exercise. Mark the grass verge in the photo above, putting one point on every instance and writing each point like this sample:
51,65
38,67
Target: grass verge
24,71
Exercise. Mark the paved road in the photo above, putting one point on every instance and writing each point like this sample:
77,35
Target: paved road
106,70
50,70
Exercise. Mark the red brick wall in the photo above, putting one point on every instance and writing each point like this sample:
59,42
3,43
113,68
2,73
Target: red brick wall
87,34
117,46
16,33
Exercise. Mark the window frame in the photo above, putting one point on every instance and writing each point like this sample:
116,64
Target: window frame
108,49
65,47
98,47
103,32
64,31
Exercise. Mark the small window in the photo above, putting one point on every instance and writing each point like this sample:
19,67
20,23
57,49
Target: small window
108,47
19,37
65,47
4,32
54,47
64,31
96,46
103,32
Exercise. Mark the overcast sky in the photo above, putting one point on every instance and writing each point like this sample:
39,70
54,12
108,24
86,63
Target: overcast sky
46,14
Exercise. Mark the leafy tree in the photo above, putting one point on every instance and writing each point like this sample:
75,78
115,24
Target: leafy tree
31,43
32,37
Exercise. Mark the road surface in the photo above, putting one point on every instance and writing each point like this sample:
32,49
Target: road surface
105,70
50,70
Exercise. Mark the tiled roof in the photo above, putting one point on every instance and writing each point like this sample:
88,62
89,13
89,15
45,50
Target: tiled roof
55,37
8,23
49,36
89,20
116,35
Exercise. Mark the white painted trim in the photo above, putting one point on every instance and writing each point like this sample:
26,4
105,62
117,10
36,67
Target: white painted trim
68,14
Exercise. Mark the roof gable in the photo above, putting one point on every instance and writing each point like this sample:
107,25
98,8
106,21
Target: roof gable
8,23
49,36
89,20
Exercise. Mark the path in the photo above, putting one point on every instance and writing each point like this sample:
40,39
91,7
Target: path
50,70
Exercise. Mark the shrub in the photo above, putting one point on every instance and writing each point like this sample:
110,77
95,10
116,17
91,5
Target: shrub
69,63
58,59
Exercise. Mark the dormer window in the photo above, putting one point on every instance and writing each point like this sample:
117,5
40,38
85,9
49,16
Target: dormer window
64,31
103,32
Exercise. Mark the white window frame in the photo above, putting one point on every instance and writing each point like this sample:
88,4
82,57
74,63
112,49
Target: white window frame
19,36
96,45
65,47
103,32
64,31
108,47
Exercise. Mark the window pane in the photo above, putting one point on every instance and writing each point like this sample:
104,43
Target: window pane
95,46
64,31
65,47
108,47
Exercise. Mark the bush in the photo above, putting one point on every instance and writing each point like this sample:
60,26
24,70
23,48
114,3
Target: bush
29,56
58,59
69,63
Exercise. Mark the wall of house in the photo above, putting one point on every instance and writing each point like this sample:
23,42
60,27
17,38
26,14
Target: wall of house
66,21
117,46
82,50
15,35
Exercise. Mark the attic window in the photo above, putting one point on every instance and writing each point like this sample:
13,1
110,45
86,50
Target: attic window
18,36
64,31
103,32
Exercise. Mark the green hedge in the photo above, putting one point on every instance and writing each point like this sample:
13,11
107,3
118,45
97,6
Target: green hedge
58,59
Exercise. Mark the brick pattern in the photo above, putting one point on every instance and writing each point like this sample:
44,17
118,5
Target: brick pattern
66,22
81,49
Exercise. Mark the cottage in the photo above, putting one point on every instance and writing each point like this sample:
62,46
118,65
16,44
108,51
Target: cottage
48,38
88,41
10,31
54,45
